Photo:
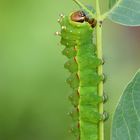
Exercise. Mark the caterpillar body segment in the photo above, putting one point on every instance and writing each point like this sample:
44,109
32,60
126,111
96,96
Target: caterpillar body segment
77,37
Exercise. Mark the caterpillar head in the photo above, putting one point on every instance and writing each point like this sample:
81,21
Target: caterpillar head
80,16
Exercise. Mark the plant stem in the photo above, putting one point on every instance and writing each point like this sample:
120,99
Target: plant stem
100,86
100,68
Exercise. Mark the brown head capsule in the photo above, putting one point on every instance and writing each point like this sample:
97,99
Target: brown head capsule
78,16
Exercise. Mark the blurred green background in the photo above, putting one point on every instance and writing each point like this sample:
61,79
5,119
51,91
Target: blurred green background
33,92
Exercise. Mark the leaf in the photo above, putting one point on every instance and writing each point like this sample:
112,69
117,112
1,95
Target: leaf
111,3
126,120
125,12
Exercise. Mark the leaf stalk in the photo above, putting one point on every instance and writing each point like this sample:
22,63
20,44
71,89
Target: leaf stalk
84,7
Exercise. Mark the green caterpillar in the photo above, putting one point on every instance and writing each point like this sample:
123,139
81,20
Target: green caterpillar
77,35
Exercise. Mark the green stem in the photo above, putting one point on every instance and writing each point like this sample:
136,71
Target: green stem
84,8
100,68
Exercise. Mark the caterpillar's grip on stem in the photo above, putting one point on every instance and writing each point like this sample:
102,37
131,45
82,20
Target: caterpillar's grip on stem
77,37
